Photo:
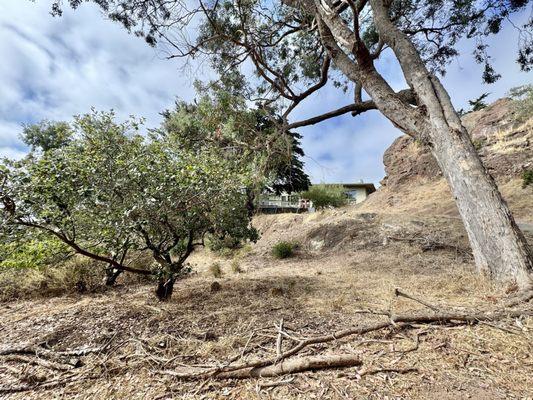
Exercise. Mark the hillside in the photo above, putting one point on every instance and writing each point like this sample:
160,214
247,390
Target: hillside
414,184
345,270
121,343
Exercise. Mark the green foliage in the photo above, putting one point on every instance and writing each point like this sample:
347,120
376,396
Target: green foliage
522,102
283,250
478,103
324,195
527,178
47,135
110,190
32,253
287,46
215,270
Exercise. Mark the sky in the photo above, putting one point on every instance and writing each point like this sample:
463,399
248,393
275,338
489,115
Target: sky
53,68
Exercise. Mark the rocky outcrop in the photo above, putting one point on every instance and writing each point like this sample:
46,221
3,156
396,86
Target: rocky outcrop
505,147
414,182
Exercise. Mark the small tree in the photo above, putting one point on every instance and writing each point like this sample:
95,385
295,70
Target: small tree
323,195
110,190
479,103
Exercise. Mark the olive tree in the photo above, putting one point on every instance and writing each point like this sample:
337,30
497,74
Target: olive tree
297,46
109,190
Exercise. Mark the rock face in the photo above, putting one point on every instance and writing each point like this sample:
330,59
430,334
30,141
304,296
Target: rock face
505,147
414,182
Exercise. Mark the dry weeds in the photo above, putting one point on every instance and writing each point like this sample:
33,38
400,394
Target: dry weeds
346,266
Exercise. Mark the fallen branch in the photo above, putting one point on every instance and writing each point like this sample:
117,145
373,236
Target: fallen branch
38,361
293,366
266,385
387,370
279,340
396,320
68,357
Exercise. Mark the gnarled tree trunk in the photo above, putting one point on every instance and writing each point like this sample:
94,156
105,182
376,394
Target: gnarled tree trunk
500,249
111,275
165,287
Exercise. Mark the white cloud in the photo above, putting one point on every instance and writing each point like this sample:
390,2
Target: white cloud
53,68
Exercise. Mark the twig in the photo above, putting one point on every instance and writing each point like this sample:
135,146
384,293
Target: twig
387,370
279,340
399,293
274,384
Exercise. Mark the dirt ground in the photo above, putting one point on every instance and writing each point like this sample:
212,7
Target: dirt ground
346,263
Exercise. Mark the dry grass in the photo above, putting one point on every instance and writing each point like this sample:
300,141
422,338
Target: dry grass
319,291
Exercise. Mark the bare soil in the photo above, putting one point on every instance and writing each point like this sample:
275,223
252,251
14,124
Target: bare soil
346,262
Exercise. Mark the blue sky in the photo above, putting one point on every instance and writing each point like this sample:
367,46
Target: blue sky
53,68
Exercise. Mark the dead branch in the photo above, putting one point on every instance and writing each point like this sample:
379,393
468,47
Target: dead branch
285,367
398,293
70,358
276,366
38,361
387,370
279,340
266,385
397,320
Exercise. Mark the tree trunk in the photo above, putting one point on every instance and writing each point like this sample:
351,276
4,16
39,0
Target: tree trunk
111,276
165,287
500,249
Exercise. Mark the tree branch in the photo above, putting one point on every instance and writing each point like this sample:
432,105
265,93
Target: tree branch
406,95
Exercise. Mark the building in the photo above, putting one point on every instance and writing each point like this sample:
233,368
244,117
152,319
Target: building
292,202
357,192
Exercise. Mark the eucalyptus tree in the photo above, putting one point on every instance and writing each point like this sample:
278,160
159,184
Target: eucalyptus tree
109,190
297,46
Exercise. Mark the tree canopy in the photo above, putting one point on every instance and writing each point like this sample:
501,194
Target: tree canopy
109,190
284,42
297,47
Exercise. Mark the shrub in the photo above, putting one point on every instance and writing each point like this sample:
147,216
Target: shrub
35,253
478,143
283,250
522,102
324,196
216,270
235,266
527,178
74,275
217,244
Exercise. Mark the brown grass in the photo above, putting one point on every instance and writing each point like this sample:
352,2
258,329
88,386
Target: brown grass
317,292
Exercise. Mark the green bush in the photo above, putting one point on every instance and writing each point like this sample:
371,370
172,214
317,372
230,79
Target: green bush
323,196
527,178
283,250
32,253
